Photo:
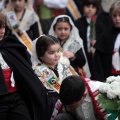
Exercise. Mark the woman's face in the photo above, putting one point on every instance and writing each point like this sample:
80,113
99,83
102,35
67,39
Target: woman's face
2,32
89,10
52,55
62,29
19,5
116,19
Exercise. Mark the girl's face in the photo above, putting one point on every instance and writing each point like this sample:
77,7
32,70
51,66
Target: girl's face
19,5
2,32
116,19
89,10
52,55
62,29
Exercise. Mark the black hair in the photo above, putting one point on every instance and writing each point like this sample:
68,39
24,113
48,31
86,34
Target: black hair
95,3
72,89
15,0
63,19
43,43
2,20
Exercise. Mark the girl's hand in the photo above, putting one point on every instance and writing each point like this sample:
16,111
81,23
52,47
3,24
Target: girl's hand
93,42
68,54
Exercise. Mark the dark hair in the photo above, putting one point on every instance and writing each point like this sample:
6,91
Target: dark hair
15,0
63,19
95,3
72,89
115,7
43,43
2,20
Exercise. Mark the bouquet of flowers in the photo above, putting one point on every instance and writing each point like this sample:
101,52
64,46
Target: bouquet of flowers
109,98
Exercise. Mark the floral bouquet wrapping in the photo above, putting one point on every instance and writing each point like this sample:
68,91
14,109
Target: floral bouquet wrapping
109,98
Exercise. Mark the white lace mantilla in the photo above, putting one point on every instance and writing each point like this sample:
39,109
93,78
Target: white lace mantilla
3,63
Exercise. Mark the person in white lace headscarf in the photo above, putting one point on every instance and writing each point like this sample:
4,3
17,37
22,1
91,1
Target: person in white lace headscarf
28,20
50,66
64,29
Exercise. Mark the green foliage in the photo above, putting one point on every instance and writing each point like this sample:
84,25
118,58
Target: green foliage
109,104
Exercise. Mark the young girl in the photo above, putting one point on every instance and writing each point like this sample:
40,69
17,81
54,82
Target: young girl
68,36
50,66
26,19
23,22
48,61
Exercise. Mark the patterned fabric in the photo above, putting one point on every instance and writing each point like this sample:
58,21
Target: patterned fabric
43,72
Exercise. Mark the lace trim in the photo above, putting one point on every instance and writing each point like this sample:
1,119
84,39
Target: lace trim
3,63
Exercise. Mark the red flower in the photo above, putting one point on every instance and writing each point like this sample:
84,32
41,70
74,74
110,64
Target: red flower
93,18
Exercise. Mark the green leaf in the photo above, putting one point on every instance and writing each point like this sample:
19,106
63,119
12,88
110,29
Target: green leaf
109,104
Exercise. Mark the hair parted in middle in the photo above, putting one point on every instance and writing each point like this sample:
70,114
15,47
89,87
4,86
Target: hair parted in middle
95,3
43,43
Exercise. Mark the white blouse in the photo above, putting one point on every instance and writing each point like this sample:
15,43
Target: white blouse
4,66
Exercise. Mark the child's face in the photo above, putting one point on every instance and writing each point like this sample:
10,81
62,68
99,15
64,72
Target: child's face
62,30
19,5
89,10
116,19
52,55
2,32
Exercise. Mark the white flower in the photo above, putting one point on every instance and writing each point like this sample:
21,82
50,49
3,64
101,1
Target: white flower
111,94
111,79
104,87
111,87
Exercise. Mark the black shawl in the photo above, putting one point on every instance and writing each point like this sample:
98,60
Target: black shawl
102,61
30,87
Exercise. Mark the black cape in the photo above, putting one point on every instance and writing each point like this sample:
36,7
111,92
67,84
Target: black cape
30,87
82,25
102,61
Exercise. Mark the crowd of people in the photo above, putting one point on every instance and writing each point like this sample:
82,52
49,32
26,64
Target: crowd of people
54,56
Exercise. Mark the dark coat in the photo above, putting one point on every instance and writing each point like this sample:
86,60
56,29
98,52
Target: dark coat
29,86
80,60
102,61
82,25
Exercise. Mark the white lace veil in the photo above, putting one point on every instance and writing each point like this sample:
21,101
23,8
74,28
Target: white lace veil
74,32
34,59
